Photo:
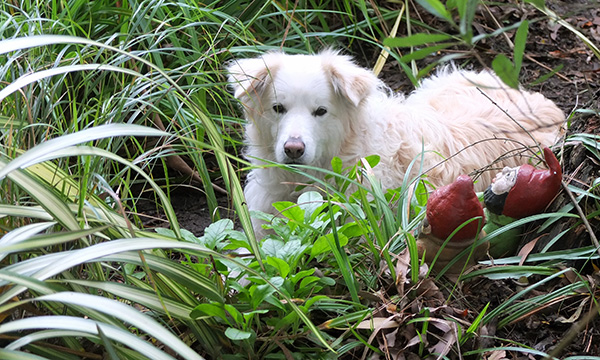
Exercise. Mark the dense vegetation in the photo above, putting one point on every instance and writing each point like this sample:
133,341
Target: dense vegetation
107,102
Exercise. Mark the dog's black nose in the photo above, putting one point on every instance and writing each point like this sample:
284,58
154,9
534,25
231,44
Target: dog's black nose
294,148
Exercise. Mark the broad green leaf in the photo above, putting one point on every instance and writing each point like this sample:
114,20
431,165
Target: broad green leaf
290,210
281,265
235,334
271,247
307,281
235,314
373,160
300,275
258,293
215,233
310,201
506,71
323,244
336,165
283,250
185,234
209,309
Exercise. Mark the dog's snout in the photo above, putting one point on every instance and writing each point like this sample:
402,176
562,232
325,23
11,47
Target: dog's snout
294,148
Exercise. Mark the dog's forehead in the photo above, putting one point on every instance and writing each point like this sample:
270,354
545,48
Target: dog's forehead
302,73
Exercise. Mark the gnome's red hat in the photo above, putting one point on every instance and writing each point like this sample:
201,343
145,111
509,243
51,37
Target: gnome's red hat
532,191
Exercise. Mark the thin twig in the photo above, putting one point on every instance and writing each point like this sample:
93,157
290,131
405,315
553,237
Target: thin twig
510,117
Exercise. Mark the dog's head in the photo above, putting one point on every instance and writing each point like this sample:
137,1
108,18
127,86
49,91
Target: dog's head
300,108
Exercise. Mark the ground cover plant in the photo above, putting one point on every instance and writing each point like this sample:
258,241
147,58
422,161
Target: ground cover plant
121,189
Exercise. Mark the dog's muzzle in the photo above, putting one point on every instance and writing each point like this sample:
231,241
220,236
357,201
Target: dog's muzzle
294,148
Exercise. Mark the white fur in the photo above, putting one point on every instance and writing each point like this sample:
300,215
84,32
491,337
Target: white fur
446,114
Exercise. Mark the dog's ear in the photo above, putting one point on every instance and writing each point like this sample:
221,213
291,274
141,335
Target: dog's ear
347,78
250,77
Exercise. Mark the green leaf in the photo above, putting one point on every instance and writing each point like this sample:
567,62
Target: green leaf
108,346
45,151
281,265
506,71
537,3
310,302
415,40
215,233
235,314
286,251
308,280
258,293
209,309
425,52
18,355
300,275
126,314
44,195
323,244
39,75
11,243
81,328
547,76
436,8
373,160
309,202
145,297
466,11
520,42
336,165
271,247
290,210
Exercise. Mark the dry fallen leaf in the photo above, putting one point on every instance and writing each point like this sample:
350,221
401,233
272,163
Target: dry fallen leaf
378,323
496,355
525,250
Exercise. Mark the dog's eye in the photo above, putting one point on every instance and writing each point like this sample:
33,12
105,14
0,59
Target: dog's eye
320,111
278,108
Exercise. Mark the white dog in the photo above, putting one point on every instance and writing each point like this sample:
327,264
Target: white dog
306,109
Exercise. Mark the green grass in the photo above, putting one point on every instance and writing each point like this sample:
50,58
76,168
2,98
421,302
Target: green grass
98,99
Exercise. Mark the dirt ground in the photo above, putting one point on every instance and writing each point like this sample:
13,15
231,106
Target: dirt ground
575,87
